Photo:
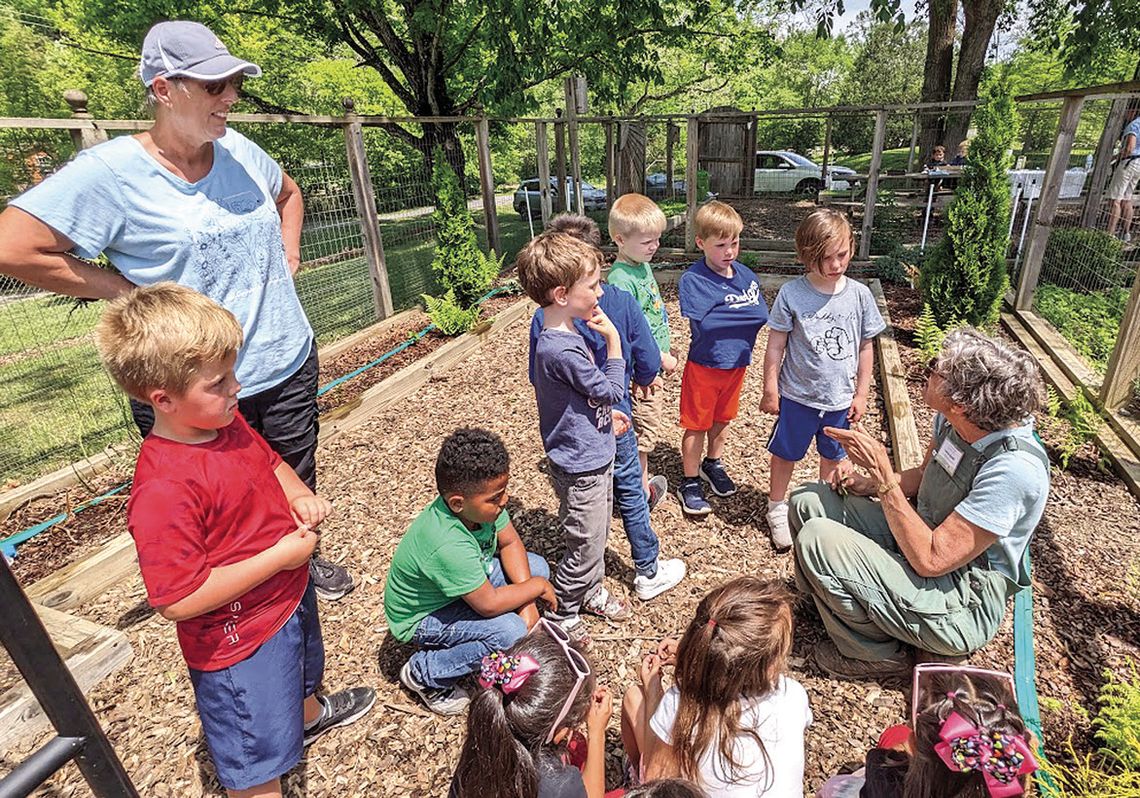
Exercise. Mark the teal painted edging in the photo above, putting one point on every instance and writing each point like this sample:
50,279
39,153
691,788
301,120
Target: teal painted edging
1025,677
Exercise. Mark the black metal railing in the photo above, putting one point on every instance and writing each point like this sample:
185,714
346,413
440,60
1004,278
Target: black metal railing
79,736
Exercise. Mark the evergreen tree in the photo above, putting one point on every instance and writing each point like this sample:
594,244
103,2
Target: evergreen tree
965,277
459,263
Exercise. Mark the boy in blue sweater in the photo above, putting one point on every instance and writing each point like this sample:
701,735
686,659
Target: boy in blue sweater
721,299
563,275
653,576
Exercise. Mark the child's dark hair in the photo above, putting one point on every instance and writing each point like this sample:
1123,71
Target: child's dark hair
985,702
467,459
736,647
581,227
666,788
505,732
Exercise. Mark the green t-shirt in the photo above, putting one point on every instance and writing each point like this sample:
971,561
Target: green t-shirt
437,560
638,279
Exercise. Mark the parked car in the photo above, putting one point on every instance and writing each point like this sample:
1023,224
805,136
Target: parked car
784,171
657,185
594,199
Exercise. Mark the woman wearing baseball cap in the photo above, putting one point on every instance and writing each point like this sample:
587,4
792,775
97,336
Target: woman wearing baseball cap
192,201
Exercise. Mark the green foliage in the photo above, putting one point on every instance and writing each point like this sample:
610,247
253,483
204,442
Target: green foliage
461,266
899,266
1052,401
1090,777
1085,260
1117,722
702,185
1083,423
928,335
447,314
1088,321
965,276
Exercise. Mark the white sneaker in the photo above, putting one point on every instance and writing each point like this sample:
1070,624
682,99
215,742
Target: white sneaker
449,701
778,524
669,573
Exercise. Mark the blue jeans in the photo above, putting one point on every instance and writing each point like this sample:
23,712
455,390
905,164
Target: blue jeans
629,496
454,639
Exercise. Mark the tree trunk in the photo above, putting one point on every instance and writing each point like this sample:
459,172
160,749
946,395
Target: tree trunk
936,82
981,17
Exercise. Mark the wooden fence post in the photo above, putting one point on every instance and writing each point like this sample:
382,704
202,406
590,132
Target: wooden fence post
913,145
1047,206
487,184
369,223
543,147
873,184
692,154
1100,173
672,133
1124,362
572,126
83,137
560,203
826,154
611,154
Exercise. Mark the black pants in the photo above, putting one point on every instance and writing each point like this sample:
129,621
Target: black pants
285,415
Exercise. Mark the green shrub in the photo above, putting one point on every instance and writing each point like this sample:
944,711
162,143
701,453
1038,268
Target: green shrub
965,276
1089,777
447,314
702,185
459,262
1088,321
1117,722
900,265
1085,260
1084,422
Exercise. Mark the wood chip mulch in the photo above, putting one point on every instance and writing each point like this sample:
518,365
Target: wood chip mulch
379,477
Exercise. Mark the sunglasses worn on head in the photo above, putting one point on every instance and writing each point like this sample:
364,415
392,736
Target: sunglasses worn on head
927,672
578,664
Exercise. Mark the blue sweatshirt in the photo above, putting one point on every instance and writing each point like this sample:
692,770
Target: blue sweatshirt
574,398
638,346
724,314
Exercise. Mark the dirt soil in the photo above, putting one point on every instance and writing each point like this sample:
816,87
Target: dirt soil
379,477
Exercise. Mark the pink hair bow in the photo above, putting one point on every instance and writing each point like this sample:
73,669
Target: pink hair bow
1000,757
506,672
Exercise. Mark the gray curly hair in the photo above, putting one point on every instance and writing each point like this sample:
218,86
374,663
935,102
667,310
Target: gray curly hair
998,386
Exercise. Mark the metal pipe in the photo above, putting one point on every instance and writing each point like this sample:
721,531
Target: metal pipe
39,767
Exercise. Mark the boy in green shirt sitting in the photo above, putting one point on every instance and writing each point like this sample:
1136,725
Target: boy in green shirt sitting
636,224
461,583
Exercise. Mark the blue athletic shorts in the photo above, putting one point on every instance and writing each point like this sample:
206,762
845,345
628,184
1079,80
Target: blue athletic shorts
798,424
252,714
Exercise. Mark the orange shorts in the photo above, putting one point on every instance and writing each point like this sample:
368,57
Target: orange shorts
709,396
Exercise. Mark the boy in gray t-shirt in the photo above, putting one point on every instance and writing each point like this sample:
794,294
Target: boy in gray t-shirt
817,367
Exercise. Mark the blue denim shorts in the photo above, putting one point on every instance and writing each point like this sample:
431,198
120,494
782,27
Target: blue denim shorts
798,424
252,712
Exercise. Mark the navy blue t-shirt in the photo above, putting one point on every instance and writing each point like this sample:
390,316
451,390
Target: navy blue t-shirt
724,313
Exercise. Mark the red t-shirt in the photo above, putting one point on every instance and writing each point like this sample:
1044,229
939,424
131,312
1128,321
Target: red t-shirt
195,507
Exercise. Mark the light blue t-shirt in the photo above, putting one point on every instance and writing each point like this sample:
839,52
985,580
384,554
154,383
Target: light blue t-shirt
1133,129
1007,498
821,359
220,236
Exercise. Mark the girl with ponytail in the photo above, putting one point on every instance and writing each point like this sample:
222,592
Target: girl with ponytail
535,696
733,722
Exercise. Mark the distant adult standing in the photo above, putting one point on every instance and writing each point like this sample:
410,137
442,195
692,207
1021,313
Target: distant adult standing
190,201
1126,176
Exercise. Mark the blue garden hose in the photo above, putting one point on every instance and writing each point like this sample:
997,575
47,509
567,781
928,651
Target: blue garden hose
8,544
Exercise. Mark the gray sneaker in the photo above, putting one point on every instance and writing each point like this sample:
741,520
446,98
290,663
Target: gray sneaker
341,709
331,581
658,488
446,701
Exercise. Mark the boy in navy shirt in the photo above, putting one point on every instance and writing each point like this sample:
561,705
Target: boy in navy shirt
653,576
721,299
563,275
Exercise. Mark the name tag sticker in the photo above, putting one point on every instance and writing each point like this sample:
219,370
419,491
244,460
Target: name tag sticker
948,456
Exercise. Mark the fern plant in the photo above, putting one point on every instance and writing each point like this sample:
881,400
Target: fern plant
449,317
1117,722
1052,401
928,335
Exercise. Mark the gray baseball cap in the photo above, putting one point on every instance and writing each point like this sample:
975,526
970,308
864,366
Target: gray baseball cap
183,49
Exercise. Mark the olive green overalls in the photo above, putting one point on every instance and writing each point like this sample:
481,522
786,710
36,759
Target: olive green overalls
869,596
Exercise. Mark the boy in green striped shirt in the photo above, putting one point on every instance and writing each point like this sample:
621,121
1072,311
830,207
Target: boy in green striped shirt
636,225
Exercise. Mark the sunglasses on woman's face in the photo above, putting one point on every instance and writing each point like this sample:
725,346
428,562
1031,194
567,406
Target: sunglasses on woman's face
578,664
216,87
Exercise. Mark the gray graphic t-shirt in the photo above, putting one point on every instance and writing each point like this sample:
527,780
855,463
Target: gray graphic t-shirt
824,333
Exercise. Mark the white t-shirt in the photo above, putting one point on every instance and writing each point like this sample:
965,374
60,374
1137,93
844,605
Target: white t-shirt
779,718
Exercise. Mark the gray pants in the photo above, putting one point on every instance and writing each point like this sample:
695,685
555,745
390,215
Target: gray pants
585,506
870,598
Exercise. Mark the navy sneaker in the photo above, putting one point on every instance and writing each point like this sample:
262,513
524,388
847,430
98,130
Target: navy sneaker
692,498
712,472
330,581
